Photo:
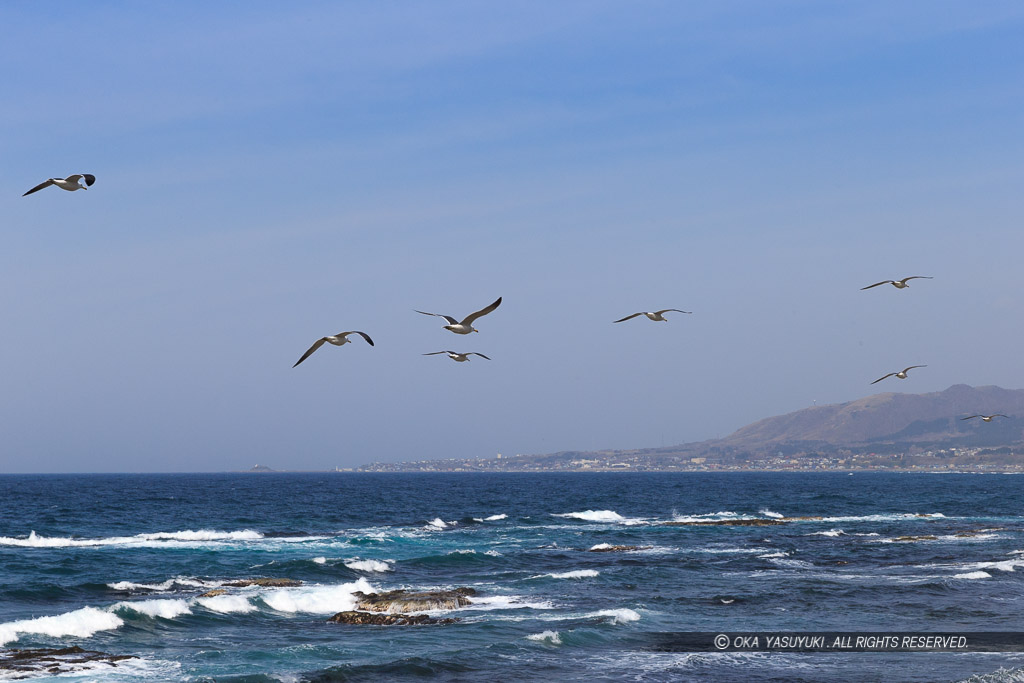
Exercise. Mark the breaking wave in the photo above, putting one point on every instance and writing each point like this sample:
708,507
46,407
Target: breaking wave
369,565
80,623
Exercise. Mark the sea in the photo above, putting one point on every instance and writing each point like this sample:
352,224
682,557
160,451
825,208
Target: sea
119,564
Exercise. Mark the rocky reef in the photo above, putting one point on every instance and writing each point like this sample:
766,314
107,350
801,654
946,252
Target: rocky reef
265,583
52,661
378,619
402,600
729,522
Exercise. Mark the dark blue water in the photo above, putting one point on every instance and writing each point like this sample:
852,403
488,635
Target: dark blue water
119,564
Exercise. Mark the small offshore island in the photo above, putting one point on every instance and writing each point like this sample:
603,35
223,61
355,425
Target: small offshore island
892,432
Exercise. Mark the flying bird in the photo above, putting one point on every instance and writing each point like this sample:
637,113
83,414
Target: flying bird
656,315
898,284
902,374
984,418
458,357
339,339
70,183
466,326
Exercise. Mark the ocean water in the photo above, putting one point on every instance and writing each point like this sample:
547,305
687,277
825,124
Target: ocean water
117,563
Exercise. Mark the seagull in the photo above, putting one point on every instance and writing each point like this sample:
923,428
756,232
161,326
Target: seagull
985,418
902,374
656,315
466,326
339,339
70,183
898,284
458,357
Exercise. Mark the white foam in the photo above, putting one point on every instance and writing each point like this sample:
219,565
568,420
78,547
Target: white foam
973,575
617,616
492,518
602,546
768,513
144,540
795,564
499,602
317,599
164,585
81,623
469,551
893,517
438,523
831,532
227,604
369,565
165,609
594,516
578,574
769,556
548,637
493,553
320,560
710,517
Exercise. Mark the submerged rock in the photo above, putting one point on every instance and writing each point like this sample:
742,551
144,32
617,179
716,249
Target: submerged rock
378,619
728,522
402,600
54,660
605,548
214,593
265,583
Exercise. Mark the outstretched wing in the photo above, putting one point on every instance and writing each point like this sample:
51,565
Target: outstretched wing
914,366
89,179
437,353
883,282
881,378
666,310
361,334
479,314
314,347
999,415
451,320
39,187
970,417
916,277
474,353
622,320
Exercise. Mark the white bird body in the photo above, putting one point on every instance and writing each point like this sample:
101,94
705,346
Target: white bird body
902,374
70,183
899,284
458,357
339,339
466,325
657,316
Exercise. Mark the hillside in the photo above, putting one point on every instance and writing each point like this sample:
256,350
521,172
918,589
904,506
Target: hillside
889,416
924,430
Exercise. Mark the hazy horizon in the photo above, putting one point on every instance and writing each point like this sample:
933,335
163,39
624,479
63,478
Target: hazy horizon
267,175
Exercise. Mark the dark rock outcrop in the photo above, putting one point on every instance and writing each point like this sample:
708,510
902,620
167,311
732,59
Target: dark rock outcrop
402,600
54,661
378,619
266,583
728,522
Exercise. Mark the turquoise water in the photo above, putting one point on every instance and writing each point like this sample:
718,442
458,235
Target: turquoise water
117,563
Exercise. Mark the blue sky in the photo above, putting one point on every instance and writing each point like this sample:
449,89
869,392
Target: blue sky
270,173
